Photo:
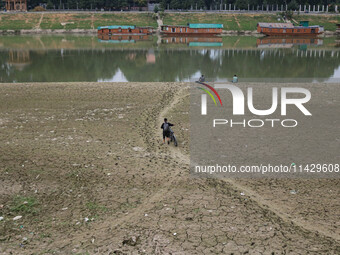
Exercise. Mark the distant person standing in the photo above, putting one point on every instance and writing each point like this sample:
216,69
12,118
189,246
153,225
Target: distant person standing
235,79
202,78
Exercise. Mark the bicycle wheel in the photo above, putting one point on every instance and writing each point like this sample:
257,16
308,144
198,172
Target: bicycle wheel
175,140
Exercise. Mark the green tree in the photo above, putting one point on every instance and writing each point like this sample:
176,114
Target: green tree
293,5
49,5
242,4
164,4
175,4
141,2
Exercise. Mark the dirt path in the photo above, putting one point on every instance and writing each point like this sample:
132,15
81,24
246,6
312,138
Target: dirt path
159,23
92,21
175,152
37,27
238,23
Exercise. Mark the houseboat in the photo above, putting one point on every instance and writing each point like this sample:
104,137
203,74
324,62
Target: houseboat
124,30
192,29
287,42
283,29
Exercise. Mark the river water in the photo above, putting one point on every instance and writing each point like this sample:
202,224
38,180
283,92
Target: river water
70,58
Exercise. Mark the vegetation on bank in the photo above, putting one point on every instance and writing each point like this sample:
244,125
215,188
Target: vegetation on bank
236,22
241,22
17,21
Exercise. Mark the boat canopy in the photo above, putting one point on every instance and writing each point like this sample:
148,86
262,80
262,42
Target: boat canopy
304,23
205,44
117,27
200,25
276,25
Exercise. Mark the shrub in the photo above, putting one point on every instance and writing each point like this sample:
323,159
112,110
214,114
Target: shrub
162,14
331,7
39,9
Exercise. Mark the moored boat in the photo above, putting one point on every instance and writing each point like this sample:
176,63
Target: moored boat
124,30
192,29
283,29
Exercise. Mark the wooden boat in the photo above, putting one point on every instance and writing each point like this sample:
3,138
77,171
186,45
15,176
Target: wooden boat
283,29
124,30
286,42
192,29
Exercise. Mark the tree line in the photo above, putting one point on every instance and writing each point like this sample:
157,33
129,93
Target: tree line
173,4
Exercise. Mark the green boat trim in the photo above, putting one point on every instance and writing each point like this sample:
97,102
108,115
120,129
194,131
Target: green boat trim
116,27
202,25
205,44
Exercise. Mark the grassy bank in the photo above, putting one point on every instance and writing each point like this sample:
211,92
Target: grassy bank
241,22
236,22
19,21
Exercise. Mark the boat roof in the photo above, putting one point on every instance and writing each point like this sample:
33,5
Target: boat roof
117,27
276,25
197,25
202,25
205,44
283,25
302,27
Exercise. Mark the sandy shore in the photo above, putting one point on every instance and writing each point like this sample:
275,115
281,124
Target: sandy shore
84,165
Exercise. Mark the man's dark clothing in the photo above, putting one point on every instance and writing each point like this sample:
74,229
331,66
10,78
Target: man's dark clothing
166,129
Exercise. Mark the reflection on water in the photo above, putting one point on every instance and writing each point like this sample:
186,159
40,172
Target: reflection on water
18,59
194,41
288,42
168,59
123,38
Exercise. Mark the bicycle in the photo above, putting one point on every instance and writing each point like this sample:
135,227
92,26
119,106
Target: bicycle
173,137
